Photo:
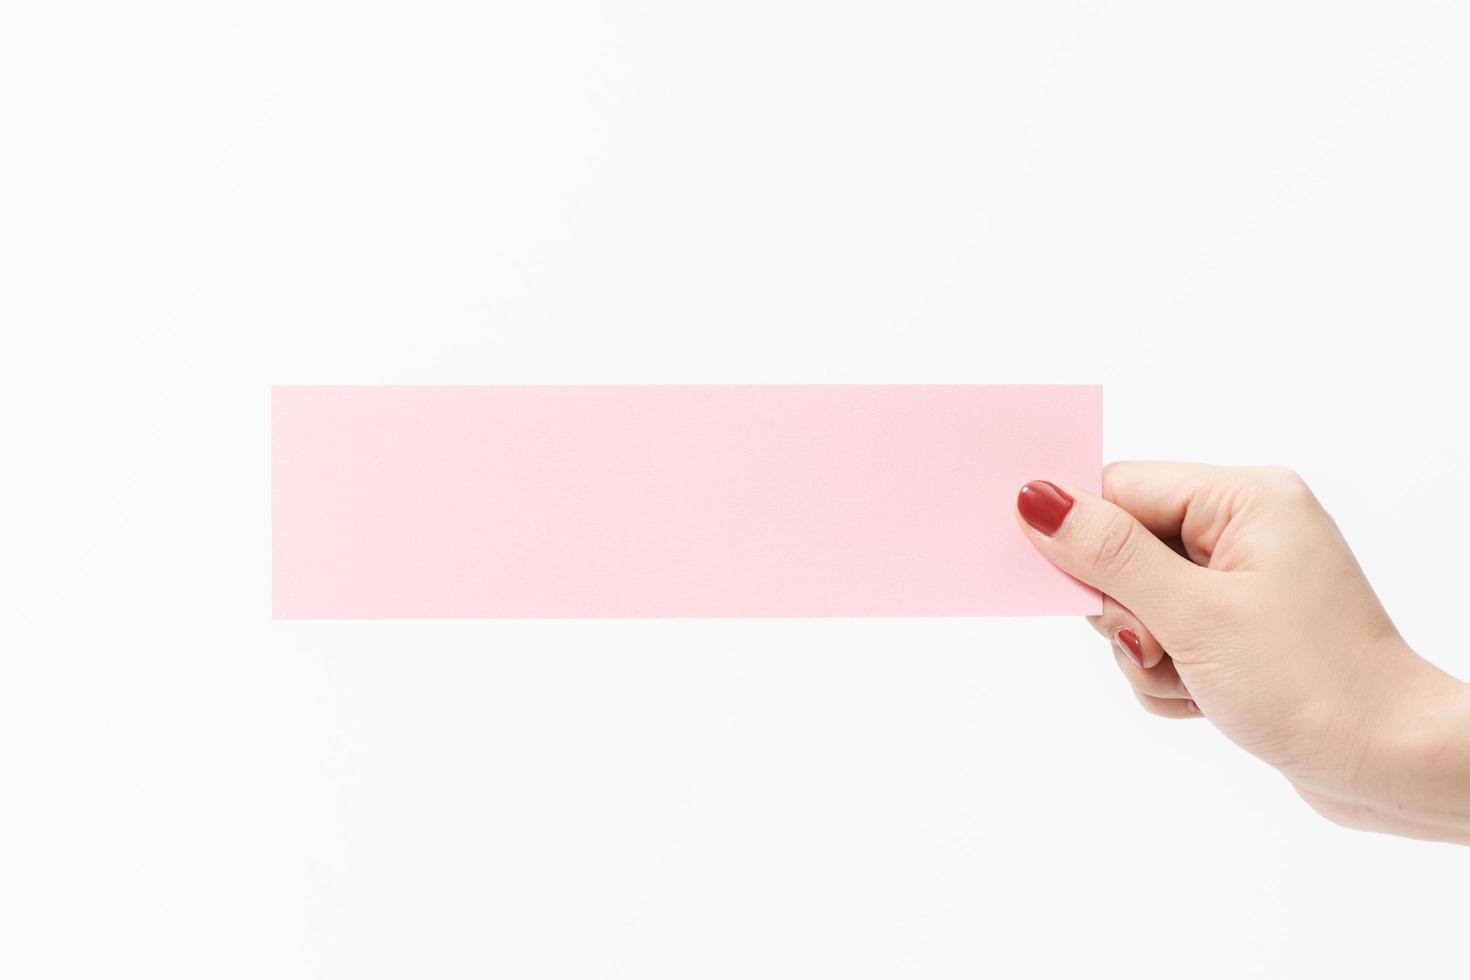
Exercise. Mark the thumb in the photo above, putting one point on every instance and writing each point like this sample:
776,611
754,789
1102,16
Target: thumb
1100,543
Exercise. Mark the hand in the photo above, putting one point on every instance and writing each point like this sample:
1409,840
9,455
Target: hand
1230,594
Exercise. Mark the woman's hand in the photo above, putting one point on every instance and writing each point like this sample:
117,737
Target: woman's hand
1231,595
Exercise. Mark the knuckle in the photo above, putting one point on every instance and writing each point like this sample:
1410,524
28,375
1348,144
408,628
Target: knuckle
1119,479
1286,483
1115,545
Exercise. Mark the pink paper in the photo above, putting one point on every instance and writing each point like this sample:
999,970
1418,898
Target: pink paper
679,500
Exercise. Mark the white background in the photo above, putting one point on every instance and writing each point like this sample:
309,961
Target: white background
1249,221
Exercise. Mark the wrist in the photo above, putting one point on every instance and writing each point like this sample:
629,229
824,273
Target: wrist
1417,765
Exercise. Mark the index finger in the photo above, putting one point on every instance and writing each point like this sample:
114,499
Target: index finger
1160,495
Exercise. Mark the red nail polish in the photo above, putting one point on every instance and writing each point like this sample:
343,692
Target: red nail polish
1131,644
1044,506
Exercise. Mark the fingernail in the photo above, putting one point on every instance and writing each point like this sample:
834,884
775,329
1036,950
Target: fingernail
1131,644
1044,506
1193,707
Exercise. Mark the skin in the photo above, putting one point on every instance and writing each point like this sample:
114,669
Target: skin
1253,614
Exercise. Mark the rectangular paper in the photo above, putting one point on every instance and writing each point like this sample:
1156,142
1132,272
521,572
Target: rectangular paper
671,500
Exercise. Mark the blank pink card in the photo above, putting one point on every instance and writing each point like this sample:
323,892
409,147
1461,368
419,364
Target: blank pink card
671,500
